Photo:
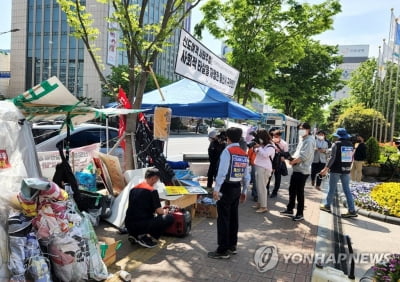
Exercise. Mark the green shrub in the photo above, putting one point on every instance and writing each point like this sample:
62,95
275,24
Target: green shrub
218,123
373,151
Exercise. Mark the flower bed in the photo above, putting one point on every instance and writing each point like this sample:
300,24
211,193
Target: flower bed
388,271
383,198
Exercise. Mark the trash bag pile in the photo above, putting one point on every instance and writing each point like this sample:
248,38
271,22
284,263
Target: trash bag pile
49,238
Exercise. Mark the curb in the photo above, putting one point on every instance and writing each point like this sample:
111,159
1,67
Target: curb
372,214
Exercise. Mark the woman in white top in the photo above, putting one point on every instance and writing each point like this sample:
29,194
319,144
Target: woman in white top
265,152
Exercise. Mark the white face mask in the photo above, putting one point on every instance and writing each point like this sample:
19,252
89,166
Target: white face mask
302,132
321,138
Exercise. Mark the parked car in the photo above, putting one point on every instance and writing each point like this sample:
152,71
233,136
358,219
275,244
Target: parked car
47,138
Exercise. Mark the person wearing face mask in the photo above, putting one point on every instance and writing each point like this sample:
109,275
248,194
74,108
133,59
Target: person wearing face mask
319,159
360,155
281,147
265,152
338,166
214,151
301,163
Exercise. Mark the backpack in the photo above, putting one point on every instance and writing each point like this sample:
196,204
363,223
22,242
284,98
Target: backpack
276,161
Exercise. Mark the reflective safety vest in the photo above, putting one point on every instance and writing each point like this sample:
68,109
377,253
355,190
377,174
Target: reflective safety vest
238,164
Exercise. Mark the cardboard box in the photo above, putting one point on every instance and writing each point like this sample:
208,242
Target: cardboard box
108,249
203,210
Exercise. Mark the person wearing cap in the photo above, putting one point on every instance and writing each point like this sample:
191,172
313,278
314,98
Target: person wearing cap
338,166
319,161
301,164
214,151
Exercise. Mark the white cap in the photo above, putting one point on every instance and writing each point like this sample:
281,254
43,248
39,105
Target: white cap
212,134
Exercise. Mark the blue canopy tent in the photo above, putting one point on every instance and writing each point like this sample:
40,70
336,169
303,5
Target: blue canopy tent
191,99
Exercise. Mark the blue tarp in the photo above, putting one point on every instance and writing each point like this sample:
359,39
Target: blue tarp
191,99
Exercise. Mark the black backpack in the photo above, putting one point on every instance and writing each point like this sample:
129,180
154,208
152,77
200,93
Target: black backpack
276,161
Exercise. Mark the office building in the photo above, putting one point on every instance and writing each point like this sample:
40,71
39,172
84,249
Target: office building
353,56
44,47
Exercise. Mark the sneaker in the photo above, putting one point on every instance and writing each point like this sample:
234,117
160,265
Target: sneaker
146,241
286,212
132,239
273,195
298,218
232,251
349,214
325,208
216,255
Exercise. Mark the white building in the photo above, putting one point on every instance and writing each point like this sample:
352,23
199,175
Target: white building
353,56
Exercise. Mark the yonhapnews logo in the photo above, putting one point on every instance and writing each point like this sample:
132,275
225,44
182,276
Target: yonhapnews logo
266,258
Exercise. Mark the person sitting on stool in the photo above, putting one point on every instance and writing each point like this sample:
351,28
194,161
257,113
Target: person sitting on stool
144,203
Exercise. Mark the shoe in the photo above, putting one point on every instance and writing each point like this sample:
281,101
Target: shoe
318,188
286,212
146,241
132,239
122,230
256,206
216,255
298,218
325,208
261,210
273,195
232,251
312,183
350,214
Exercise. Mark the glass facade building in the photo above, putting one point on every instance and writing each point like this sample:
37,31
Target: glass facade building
44,47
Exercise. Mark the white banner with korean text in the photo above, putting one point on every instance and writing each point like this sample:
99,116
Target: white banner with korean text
198,63
79,159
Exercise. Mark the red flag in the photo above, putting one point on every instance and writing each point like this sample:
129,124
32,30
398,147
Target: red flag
125,104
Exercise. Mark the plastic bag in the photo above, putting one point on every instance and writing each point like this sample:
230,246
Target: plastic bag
68,256
86,181
97,268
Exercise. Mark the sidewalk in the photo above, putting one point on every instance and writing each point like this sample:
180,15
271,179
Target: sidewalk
185,259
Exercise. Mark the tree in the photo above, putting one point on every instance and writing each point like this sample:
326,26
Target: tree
264,35
119,77
362,83
357,119
336,108
374,90
141,40
302,89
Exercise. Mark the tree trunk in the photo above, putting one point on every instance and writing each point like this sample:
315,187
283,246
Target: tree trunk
131,123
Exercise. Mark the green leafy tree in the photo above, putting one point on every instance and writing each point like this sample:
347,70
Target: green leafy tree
362,83
264,35
357,119
374,90
120,77
335,109
302,89
141,40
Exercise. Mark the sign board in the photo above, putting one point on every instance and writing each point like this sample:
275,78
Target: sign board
354,50
196,62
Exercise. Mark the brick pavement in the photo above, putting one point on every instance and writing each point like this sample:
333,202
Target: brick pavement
185,259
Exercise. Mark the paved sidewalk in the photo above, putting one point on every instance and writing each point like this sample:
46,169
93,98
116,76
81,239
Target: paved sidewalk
185,259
